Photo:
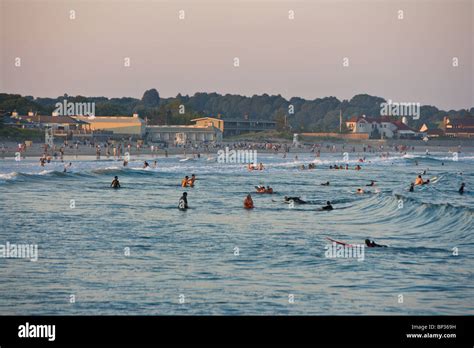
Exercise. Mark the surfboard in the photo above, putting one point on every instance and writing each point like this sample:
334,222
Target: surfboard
338,242
186,159
435,179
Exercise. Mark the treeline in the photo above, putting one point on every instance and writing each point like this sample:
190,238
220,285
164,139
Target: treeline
296,114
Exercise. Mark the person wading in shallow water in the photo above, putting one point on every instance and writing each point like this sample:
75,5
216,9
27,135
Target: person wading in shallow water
183,201
248,202
115,183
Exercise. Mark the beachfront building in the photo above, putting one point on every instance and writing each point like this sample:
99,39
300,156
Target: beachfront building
62,126
431,132
459,127
209,122
204,130
241,126
380,127
117,125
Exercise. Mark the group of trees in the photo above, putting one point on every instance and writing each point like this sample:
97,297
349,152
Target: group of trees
297,114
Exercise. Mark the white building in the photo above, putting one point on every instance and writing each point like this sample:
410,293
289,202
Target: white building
384,126
180,135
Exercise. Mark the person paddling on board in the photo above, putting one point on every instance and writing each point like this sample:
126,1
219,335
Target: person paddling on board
325,183
461,189
295,200
115,183
328,206
248,202
371,244
183,201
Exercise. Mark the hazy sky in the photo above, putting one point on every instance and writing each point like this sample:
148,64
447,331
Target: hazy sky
403,60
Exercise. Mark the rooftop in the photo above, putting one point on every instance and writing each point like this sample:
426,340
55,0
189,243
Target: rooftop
51,119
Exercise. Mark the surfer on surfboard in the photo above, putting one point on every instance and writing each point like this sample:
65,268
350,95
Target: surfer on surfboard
371,244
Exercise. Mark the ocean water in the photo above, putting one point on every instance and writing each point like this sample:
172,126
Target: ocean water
218,258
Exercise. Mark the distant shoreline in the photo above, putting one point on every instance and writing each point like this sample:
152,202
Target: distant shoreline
447,146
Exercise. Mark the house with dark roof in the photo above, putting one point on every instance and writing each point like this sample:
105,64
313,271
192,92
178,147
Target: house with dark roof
61,125
459,127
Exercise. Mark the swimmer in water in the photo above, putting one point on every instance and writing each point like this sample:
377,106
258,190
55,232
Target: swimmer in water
145,165
372,183
325,183
328,206
359,190
183,201
192,180
419,180
412,187
461,189
125,163
184,182
371,244
296,200
66,166
248,202
115,183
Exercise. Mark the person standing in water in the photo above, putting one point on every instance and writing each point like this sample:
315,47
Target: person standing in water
184,182
115,183
248,202
66,166
461,189
183,201
192,180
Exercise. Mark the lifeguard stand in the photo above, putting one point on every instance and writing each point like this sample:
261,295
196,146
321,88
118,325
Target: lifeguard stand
295,140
